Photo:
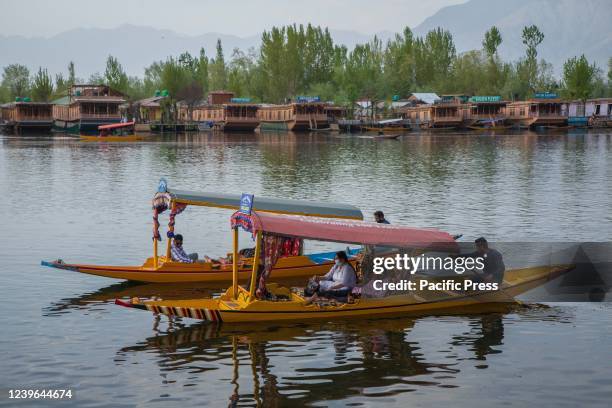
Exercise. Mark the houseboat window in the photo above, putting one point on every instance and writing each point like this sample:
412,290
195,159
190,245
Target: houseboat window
597,109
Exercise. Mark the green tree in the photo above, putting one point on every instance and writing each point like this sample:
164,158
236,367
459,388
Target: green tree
71,74
42,86
364,73
202,71
218,69
399,64
434,56
469,70
115,76
495,75
492,41
579,78
16,80
532,37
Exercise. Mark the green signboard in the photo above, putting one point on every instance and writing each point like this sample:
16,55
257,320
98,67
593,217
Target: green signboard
546,95
496,98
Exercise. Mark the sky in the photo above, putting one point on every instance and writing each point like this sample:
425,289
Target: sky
34,18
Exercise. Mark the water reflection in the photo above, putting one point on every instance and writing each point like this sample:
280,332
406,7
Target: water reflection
299,363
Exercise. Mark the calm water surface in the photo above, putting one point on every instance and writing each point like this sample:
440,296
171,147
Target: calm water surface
90,202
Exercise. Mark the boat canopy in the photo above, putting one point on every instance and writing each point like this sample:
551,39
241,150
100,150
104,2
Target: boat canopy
274,205
272,232
344,231
116,126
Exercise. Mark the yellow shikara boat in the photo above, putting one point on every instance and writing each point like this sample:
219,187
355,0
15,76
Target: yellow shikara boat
116,132
239,305
162,269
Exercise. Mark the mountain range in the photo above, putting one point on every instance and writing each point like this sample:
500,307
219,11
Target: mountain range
571,28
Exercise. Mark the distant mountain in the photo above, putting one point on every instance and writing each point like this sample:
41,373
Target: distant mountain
570,27
135,47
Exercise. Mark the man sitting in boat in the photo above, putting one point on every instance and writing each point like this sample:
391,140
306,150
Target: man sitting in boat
179,254
337,283
379,217
494,267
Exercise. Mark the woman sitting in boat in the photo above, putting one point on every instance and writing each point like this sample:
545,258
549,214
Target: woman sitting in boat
179,254
337,283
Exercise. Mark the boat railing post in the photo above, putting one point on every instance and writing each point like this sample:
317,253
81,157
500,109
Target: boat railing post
155,253
235,265
169,245
255,266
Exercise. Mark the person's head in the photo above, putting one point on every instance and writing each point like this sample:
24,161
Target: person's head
178,239
341,257
379,216
481,245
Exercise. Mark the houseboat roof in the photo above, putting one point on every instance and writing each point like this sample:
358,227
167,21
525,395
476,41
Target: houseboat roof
275,205
221,91
116,126
118,99
542,100
150,102
427,97
400,104
608,100
12,104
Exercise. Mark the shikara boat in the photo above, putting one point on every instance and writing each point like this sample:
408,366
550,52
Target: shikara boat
161,268
240,305
117,132
380,137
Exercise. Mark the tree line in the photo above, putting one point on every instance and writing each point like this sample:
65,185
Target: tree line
304,60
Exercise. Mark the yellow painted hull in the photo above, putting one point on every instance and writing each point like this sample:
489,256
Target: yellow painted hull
127,138
169,271
241,310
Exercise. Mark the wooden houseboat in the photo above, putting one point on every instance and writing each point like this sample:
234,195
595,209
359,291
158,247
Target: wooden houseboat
86,107
485,112
296,116
149,113
24,116
435,116
545,110
232,117
599,112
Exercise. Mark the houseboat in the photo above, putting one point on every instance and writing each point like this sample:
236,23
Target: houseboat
438,115
24,116
149,113
86,107
303,115
485,112
231,117
545,110
599,112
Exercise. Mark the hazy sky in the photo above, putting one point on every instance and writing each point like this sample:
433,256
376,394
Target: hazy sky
238,17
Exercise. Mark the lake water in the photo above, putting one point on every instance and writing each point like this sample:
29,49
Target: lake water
90,202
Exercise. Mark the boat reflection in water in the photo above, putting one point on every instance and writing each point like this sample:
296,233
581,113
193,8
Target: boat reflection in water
297,363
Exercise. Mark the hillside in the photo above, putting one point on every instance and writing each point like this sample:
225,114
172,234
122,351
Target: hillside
570,27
